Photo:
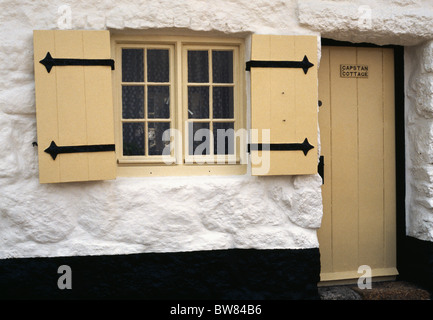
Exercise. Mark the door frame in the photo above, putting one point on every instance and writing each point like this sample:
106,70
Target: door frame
400,147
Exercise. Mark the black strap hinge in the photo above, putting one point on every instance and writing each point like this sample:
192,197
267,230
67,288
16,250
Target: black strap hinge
304,64
304,147
53,150
50,62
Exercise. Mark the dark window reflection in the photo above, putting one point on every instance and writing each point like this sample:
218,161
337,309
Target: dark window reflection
199,138
158,67
223,102
133,102
155,137
198,102
223,133
198,66
158,102
133,139
222,66
132,65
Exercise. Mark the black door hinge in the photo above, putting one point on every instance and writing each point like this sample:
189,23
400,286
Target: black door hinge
321,168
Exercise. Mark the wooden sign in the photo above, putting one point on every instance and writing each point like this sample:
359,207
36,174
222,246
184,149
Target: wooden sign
353,71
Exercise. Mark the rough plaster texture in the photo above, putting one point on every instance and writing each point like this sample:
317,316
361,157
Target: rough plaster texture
188,213
157,215
400,22
419,141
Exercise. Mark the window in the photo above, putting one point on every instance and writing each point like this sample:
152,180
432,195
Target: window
179,106
146,100
209,91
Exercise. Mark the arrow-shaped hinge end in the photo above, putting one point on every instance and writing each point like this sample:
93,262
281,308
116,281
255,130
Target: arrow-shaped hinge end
306,146
306,64
52,150
48,61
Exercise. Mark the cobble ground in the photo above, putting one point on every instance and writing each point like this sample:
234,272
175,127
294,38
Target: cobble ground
389,290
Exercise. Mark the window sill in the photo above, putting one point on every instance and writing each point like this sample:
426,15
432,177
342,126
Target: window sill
149,170
149,161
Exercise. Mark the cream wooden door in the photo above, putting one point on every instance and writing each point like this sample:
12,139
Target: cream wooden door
357,129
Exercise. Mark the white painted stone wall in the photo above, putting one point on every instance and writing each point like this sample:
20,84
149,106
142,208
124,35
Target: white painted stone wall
162,214
419,141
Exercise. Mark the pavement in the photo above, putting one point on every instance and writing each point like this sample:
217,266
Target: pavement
388,290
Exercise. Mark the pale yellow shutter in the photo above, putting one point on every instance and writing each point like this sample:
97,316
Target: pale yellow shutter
284,102
74,107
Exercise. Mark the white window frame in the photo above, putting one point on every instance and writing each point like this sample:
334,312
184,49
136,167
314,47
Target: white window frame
180,162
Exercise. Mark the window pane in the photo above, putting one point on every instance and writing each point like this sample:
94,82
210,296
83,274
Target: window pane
158,65
155,137
132,65
199,138
224,137
198,102
222,66
198,66
133,102
223,102
133,139
158,102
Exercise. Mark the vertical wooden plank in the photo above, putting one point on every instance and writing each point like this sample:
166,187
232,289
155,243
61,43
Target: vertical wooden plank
260,99
306,101
370,183
283,103
260,86
389,159
71,104
325,231
282,100
344,140
99,105
46,105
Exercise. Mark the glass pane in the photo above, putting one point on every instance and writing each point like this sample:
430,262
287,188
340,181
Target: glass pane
223,102
222,66
132,65
198,102
158,102
224,137
133,102
198,66
158,65
133,139
199,138
155,138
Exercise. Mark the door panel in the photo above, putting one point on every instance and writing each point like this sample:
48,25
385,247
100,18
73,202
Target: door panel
357,141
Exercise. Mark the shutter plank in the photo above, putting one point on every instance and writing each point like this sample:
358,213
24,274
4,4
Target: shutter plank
99,102
71,104
46,106
306,88
283,104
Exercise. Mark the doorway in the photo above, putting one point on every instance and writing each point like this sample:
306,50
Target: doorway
357,132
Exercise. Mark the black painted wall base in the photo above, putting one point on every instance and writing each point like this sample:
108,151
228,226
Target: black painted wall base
236,274
417,262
